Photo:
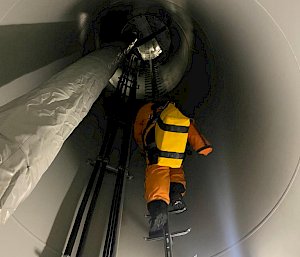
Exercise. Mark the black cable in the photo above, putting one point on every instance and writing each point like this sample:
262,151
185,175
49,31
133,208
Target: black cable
105,152
110,240
113,217
115,207
91,210
81,209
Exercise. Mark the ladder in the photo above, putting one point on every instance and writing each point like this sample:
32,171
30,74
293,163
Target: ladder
168,236
120,116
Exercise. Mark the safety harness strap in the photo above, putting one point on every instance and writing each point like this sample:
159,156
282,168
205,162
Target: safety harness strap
172,155
172,128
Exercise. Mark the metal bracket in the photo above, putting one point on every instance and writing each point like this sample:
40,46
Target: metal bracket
109,169
93,163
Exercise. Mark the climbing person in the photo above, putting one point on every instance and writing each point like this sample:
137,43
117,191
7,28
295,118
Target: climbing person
162,133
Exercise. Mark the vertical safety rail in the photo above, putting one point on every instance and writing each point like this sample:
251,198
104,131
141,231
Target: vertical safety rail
168,240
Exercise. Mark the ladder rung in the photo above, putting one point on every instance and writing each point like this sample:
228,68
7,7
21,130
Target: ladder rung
175,234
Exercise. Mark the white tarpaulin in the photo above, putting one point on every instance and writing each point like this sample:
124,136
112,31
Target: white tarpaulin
34,127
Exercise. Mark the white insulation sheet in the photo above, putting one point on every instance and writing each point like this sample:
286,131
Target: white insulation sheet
34,127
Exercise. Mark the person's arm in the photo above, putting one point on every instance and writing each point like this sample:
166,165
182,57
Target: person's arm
140,123
198,142
138,133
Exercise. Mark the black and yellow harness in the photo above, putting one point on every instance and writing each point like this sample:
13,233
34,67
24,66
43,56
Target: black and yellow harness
165,136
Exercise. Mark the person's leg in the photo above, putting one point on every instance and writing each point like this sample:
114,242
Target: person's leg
157,187
158,210
157,183
177,189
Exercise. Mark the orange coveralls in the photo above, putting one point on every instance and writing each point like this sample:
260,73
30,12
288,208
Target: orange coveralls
158,178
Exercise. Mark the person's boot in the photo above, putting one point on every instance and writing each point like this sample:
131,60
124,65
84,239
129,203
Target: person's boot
158,211
176,202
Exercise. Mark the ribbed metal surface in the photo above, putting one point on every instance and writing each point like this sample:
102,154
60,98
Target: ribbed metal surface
154,86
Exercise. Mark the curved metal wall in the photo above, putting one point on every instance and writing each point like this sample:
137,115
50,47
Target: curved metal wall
243,199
